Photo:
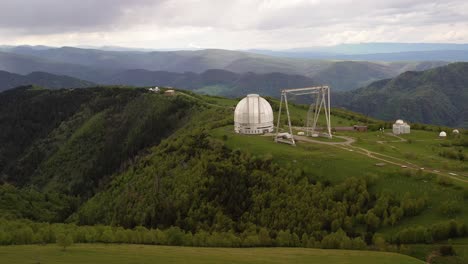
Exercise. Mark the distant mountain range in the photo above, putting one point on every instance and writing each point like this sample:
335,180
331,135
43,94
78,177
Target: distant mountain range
217,82
436,96
383,47
11,80
378,52
433,96
105,67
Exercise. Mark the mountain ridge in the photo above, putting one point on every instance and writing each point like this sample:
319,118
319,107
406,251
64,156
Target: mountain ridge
10,80
436,96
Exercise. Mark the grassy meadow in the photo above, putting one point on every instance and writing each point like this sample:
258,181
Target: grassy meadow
132,254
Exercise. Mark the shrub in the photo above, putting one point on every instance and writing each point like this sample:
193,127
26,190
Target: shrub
444,181
64,240
447,250
450,209
465,194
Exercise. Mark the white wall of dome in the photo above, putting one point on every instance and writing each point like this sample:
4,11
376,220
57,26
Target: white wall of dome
253,115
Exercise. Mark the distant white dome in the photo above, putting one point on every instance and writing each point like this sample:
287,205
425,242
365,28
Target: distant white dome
399,122
253,115
455,131
442,134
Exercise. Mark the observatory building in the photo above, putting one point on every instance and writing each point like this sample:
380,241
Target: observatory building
401,127
253,115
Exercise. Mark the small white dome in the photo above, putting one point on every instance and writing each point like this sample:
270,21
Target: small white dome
399,122
442,134
253,115
455,131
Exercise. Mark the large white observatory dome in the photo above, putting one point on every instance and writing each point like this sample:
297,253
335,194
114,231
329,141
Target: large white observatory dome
442,134
253,115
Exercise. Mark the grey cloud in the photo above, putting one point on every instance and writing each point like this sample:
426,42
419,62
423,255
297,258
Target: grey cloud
231,23
368,13
57,16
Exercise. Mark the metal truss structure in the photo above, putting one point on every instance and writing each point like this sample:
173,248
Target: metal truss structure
321,99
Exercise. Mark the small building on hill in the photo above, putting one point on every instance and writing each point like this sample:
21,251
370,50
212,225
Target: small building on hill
442,134
155,90
360,128
357,128
401,127
169,93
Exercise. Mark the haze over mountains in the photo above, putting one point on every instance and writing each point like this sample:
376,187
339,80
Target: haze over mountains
378,52
104,66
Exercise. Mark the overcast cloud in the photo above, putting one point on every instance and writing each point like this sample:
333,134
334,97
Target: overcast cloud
232,24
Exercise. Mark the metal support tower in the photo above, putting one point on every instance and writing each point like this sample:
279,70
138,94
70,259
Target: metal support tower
321,96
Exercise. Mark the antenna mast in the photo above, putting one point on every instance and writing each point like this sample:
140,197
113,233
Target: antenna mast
321,95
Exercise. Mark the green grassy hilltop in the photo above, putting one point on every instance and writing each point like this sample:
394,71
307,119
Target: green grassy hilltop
123,165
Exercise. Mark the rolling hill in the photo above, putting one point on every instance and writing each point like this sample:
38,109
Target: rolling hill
436,96
11,80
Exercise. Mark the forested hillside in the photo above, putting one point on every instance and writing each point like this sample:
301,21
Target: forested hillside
43,79
69,141
437,96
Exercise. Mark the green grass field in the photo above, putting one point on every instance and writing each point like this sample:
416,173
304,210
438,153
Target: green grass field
421,147
132,254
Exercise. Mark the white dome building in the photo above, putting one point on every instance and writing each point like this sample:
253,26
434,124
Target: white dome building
401,127
455,132
253,115
442,134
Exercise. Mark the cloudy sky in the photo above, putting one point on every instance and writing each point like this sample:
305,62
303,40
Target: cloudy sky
230,24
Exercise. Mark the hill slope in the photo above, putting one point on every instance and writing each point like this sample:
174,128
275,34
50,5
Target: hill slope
11,80
437,96
70,140
347,75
